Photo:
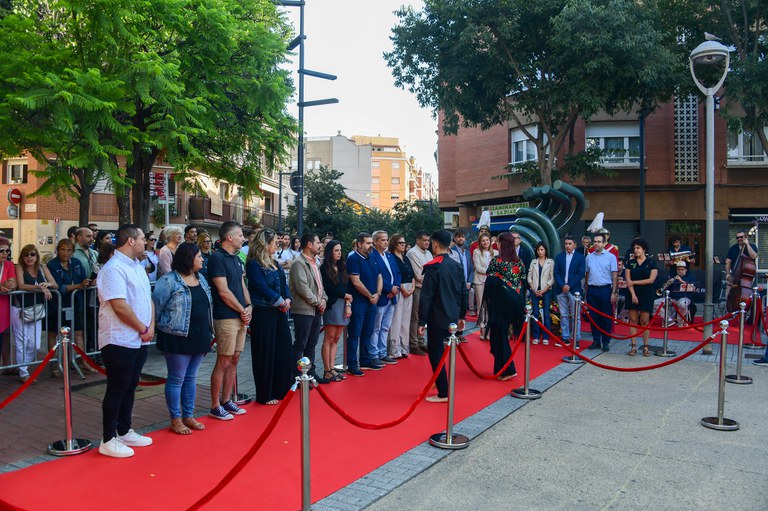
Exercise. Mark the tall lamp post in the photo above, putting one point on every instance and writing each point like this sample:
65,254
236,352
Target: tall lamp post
705,60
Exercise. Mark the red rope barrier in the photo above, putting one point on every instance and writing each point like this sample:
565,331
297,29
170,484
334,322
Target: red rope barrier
7,506
247,457
32,378
612,335
640,329
103,371
365,425
506,366
636,369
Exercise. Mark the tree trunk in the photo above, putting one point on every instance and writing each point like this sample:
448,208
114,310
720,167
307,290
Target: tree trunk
84,201
140,171
123,198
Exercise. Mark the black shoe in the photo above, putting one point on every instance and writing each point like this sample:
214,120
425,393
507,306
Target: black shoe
418,351
388,360
761,362
371,367
355,372
320,379
606,348
594,346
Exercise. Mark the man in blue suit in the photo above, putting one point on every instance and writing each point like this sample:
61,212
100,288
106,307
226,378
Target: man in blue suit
385,307
569,272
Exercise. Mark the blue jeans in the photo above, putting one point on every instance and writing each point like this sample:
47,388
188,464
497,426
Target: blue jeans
600,299
182,383
538,312
359,332
378,344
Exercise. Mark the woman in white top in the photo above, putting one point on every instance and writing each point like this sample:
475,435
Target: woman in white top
541,278
481,258
173,237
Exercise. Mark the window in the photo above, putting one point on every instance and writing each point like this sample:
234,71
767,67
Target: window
620,141
17,172
395,196
375,164
375,196
223,191
744,147
395,164
395,180
375,180
522,149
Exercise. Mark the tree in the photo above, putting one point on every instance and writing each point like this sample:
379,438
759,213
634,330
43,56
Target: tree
414,216
196,82
548,63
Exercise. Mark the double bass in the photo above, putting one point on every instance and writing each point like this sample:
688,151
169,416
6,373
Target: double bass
743,278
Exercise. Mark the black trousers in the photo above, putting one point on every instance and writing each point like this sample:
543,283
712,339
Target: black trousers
435,347
123,367
306,330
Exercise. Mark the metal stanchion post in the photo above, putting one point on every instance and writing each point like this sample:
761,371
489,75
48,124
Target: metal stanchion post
576,322
665,352
70,445
738,378
342,368
449,439
304,381
525,392
720,423
237,398
755,321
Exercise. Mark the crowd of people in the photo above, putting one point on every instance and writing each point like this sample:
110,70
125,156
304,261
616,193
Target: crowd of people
394,300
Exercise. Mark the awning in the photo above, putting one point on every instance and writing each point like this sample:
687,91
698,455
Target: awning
269,188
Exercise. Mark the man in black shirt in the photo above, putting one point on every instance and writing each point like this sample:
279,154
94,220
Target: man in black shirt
443,301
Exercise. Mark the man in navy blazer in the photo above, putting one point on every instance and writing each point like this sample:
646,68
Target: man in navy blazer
390,274
570,269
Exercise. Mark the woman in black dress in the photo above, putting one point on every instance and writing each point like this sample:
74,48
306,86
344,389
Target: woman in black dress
270,334
339,307
640,274
504,298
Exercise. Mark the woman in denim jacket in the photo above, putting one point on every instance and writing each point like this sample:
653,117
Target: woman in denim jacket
183,314
270,335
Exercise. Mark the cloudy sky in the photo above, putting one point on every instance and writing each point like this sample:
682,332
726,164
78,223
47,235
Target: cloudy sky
347,38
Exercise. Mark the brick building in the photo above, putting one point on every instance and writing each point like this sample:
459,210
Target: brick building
675,159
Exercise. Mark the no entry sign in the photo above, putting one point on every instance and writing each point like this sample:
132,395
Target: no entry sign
14,196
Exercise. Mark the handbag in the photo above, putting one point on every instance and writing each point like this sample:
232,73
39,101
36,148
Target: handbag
34,312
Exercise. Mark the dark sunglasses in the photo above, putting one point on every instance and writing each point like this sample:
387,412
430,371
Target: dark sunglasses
30,254
152,239
5,250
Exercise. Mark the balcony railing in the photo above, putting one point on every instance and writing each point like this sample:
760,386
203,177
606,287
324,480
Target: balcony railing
200,213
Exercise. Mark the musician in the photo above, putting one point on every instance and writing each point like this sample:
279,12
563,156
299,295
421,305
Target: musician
741,248
676,245
681,287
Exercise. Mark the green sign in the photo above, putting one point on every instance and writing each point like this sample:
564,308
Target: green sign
504,209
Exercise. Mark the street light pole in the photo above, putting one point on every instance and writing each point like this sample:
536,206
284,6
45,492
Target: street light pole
707,54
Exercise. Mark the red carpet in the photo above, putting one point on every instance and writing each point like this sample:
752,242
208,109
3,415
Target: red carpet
178,470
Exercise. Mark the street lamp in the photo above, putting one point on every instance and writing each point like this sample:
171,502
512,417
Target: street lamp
709,63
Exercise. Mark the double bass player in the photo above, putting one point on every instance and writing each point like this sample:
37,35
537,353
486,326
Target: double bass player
741,254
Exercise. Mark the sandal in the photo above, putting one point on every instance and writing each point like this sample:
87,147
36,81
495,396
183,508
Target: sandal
632,351
342,377
328,375
646,351
178,427
272,402
191,423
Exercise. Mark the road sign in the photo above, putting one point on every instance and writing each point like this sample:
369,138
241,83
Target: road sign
14,196
13,211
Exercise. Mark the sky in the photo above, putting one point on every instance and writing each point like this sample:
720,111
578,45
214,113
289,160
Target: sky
347,38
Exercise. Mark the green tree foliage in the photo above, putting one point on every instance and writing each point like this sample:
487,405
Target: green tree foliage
196,82
548,62
329,210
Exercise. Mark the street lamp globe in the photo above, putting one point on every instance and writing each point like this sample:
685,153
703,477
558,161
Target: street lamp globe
709,64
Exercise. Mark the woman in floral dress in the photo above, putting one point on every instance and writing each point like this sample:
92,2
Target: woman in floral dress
505,300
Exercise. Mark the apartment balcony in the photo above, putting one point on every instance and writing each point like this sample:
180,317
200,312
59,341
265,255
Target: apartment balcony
200,213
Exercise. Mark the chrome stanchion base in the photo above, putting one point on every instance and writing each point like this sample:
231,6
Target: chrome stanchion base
741,380
242,399
715,423
521,394
69,448
667,354
573,360
751,346
456,441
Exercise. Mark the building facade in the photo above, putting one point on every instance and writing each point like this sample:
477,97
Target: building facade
470,162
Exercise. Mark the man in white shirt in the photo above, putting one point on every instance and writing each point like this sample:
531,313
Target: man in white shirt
418,255
126,325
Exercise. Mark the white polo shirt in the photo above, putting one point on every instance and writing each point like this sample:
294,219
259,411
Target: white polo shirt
123,277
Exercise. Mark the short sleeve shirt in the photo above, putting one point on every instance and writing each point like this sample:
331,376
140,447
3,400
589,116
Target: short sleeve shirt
368,271
123,277
229,266
733,252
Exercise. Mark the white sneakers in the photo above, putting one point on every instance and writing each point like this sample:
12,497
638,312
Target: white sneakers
120,446
133,439
115,449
